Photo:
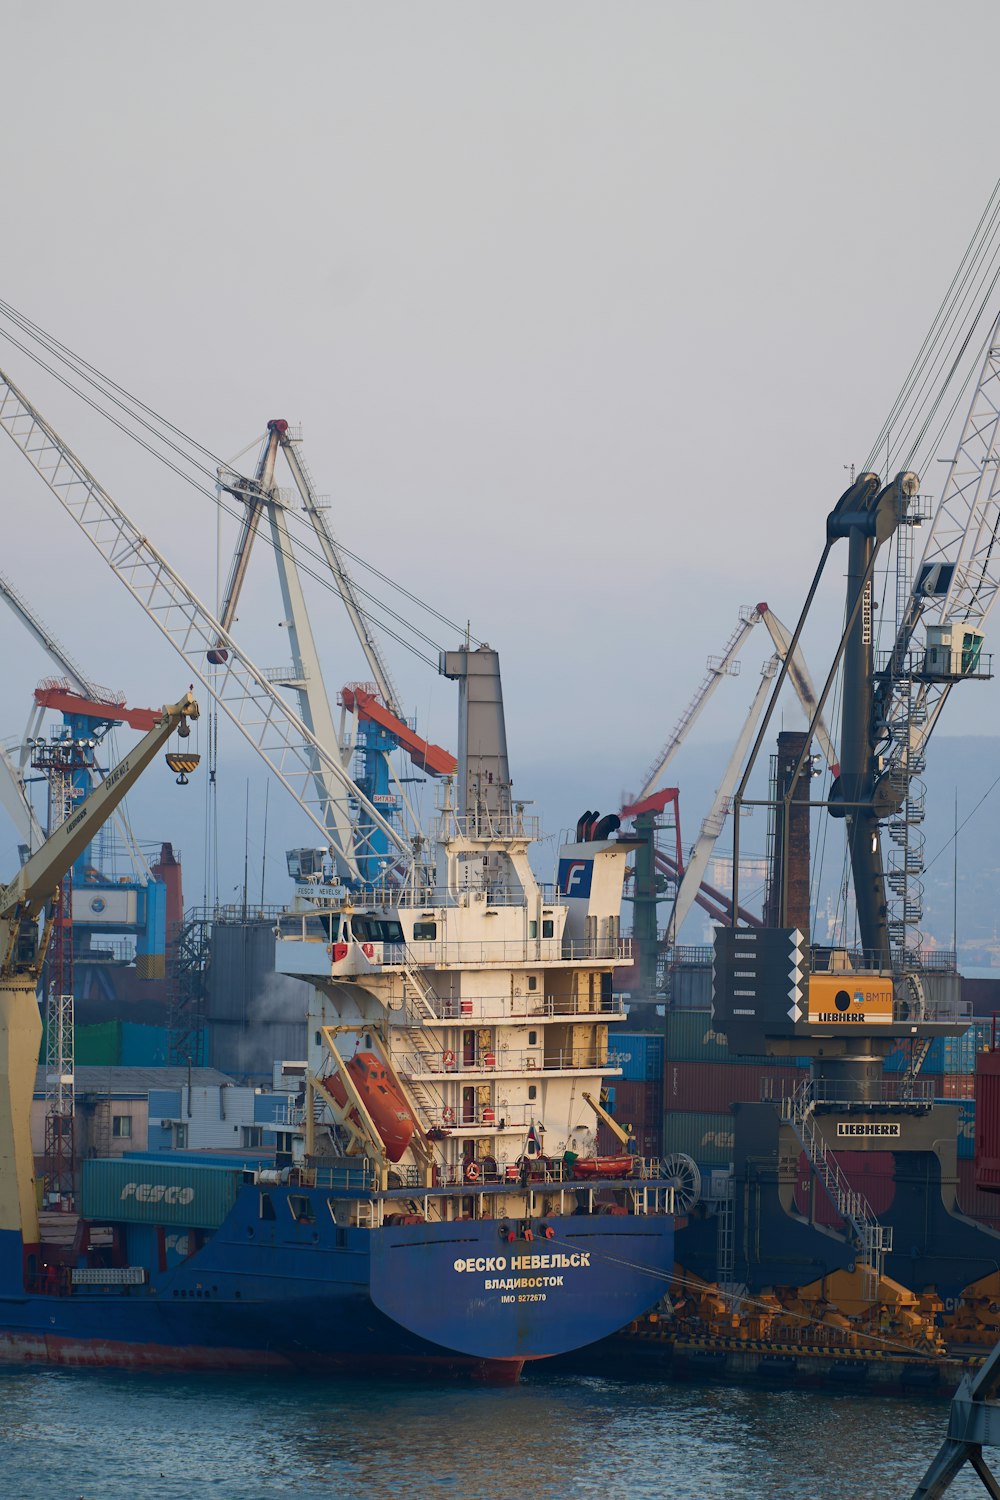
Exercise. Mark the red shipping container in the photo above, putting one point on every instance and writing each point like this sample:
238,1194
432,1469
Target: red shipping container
714,1088
972,1200
638,1104
957,1086
871,1173
648,1142
987,1158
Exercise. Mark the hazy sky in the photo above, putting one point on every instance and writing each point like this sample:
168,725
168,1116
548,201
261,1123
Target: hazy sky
584,308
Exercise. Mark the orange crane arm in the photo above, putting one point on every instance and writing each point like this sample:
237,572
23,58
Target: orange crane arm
431,758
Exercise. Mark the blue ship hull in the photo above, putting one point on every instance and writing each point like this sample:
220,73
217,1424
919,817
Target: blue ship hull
452,1297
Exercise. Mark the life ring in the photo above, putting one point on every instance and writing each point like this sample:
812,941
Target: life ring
472,1171
448,1058
448,1115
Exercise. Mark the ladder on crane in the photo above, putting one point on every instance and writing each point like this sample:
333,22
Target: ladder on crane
873,1240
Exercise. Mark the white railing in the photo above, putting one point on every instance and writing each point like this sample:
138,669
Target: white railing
441,953
506,1060
528,1006
486,825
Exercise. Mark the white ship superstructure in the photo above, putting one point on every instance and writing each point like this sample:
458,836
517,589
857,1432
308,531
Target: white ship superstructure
485,995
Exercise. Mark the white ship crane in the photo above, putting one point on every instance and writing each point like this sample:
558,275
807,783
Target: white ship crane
261,499
728,664
309,769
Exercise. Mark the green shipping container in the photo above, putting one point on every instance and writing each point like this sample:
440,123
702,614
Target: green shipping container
144,1192
707,1139
692,1037
98,1046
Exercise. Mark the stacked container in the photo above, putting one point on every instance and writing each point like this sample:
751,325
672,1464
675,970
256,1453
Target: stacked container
636,1098
704,1079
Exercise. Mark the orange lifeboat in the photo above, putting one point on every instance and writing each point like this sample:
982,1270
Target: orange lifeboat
383,1101
603,1166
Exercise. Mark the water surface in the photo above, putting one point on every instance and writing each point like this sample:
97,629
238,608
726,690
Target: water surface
68,1435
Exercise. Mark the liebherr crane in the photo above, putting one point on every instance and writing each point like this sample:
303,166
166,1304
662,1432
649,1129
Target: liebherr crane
308,768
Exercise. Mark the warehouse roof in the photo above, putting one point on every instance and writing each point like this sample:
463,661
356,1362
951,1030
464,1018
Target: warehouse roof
136,1081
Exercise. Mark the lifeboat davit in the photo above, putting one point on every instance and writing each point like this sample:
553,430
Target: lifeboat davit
383,1101
603,1166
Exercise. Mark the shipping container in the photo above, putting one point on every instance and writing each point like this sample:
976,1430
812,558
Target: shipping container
647,1142
99,1045
691,1037
971,1198
707,1139
987,1153
636,1103
147,1192
954,1085
690,986
144,1046
870,1173
700,1086
638,1054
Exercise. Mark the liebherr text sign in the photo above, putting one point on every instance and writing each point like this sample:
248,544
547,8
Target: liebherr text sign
844,1000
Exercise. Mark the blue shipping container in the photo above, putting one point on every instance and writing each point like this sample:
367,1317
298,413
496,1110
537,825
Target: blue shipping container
639,1055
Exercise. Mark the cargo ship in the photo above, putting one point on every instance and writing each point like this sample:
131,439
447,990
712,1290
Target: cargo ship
437,1201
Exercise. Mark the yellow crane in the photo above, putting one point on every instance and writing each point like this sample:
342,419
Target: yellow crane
22,902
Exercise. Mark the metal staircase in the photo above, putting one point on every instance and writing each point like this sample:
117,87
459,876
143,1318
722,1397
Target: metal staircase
725,1246
918,1056
873,1240
417,991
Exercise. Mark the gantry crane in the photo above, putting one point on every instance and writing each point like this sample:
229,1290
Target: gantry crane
309,768
12,786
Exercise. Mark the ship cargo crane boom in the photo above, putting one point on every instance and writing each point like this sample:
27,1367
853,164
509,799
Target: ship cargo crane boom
277,733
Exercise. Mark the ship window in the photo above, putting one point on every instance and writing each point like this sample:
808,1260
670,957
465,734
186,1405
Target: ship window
425,932
532,929
390,931
361,928
548,928
532,1091
266,1210
121,1126
253,1135
532,981
301,1208
532,1038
